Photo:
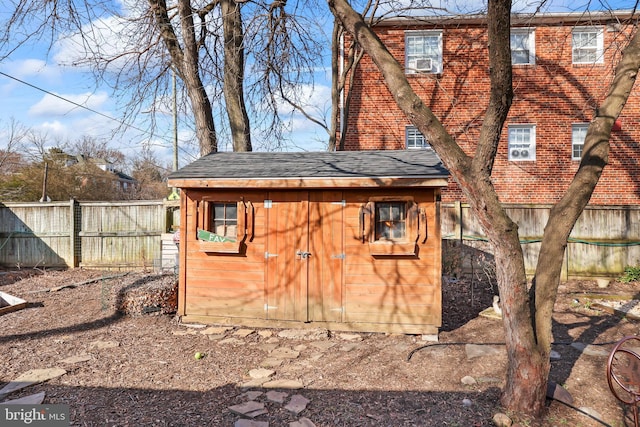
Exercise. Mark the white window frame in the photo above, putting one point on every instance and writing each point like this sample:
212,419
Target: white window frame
529,45
578,135
521,150
411,133
596,34
412,43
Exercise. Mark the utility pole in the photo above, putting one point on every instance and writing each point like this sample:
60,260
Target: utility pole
44,197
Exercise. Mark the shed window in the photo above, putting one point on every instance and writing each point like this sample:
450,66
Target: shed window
224,218
391,221
393,226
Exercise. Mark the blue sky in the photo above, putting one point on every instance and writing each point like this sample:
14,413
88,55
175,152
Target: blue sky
62,121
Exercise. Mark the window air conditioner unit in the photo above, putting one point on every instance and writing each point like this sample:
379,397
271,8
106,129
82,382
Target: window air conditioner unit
424,64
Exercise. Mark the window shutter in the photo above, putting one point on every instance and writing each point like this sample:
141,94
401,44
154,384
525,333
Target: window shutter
412,221
241,230
422,225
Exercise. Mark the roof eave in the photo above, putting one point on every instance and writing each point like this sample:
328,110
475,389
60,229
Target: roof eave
310,183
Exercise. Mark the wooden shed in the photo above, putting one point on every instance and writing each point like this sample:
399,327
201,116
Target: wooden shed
340,240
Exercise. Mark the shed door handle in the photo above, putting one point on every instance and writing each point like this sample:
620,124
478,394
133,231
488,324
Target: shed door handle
303,254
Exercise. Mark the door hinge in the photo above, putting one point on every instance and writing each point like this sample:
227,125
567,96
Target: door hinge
269,307
339,256
268,204
267,255
341,203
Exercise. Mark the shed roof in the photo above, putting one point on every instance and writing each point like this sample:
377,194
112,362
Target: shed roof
313,169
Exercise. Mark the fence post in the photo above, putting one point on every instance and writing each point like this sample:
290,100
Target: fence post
73,235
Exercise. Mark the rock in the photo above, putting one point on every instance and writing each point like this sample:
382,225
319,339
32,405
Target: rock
256,382
216,337
32,399
468,380
183,333
590,349
271,362
429,337
554,355
250,423
261,373
249,409
253,395
466,402
221,330
102,345
297,404
77,359
34,376
285,384
276,396
559,393
243,333
479,350
268,347
349,347
322,345
300,347
502,420
285,353
302,422
265,334
350,337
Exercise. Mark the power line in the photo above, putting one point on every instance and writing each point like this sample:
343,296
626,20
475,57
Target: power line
120,122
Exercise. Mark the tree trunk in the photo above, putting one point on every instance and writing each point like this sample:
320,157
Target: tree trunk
234,75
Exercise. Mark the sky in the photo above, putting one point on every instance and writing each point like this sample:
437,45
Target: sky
63,103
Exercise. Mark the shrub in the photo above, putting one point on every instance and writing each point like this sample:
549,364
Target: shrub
631,274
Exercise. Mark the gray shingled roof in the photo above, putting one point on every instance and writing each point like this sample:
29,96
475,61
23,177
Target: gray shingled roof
339,164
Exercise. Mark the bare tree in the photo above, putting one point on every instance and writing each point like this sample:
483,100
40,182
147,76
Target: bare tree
135,47
14,136
526,309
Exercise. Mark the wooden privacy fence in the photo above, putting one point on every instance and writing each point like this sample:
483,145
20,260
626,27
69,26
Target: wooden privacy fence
135,234
109,235
604,241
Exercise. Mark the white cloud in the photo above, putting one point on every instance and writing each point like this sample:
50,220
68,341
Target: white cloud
51,105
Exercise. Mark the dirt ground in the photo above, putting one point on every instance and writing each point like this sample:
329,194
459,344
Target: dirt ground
141,371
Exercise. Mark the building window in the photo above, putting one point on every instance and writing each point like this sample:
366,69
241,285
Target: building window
578,135
522,142
523,46
423,52
224,219
415,139
391,221
587,45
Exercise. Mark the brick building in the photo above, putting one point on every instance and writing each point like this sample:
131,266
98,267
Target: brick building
562,67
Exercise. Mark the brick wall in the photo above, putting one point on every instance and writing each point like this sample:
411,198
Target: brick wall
553,94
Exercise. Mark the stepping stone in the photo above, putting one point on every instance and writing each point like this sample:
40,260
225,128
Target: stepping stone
268,347
479,350
285,384
77,359
559,393
261,373
249,409
256,382
34,376
350,337
322,345
265,334
554,355
231,341
243,333
272,340
102,345
302,422
300,347
183,333
590,411
316,357
297,404
253,395
271,362
349,347
468,380
250,423
590,349
285,353
33,399
216,337
276,396
215,330
294,334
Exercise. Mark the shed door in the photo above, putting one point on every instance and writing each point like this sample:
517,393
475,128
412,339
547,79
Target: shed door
304,256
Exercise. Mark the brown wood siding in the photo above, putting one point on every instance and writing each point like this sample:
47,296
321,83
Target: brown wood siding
217,284
393,289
